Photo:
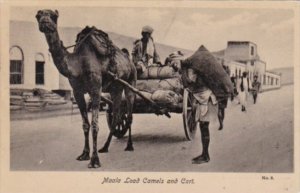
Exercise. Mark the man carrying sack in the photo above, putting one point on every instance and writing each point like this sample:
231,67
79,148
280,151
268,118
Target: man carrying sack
206,79
144,53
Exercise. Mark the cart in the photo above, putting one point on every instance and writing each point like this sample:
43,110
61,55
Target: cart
147,106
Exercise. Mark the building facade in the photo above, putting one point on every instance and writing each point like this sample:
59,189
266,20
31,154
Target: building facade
242,56
31,64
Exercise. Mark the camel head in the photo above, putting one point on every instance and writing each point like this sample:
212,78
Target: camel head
47,20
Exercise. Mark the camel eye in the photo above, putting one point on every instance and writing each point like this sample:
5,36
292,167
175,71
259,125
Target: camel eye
54,18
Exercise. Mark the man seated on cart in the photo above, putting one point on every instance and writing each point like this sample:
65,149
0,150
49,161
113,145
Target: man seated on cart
144,53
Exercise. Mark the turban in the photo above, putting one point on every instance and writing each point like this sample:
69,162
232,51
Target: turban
147,29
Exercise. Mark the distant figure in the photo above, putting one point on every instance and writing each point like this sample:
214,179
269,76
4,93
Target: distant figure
235,93
144,53
255,88
222,103
243,87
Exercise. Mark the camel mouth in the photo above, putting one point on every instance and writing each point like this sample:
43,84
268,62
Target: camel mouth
47,27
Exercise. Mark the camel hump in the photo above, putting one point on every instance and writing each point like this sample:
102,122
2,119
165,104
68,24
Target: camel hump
90,31
98,38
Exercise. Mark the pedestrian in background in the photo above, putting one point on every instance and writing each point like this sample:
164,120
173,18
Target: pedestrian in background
222,103
243,86
235,93
255,88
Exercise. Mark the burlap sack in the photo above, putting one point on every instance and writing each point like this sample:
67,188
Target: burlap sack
155,72
212,72
166,97
138,99
174,84
151,85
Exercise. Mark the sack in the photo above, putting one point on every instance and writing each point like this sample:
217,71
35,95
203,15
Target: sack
212,72
151,85
173,84
156,72
166,97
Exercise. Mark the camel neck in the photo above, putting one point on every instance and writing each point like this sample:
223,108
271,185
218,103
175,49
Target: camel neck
58,52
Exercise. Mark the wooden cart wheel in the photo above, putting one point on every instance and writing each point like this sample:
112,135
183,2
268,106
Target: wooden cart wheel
190,125
122,127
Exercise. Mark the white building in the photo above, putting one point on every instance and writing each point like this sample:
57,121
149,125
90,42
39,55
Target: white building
31,64
242,56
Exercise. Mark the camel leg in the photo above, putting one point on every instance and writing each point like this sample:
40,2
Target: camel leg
79,97
130,97
116,96
95,94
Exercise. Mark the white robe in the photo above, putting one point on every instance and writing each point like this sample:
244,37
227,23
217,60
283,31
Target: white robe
243,94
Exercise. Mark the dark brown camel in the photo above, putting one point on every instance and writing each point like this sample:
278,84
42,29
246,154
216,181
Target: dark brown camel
86,68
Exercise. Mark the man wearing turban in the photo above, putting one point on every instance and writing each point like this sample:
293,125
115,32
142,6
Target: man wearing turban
144,53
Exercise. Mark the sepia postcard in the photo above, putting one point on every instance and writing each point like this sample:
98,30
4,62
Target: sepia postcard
149,96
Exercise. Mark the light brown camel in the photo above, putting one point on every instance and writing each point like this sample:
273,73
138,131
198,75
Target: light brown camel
86,68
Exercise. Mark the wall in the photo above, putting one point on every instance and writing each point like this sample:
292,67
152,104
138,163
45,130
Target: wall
240,51
271,81
260,69
32,41
27,36
236,68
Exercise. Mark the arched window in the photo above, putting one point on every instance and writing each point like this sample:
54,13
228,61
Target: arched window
16,65
39,69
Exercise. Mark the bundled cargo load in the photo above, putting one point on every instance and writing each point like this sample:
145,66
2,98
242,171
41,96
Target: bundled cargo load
166,97
151,85
161,96
211,71
156,72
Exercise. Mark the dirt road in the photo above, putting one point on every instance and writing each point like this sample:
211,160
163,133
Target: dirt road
260,140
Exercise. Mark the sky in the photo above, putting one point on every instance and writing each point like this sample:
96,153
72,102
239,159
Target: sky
271,29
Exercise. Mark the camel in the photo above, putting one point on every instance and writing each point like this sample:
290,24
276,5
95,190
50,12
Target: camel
87,71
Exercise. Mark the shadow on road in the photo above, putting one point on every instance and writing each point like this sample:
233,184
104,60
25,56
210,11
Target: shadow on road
158,139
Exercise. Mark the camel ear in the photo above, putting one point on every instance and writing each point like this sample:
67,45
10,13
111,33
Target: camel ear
57,13
38,14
